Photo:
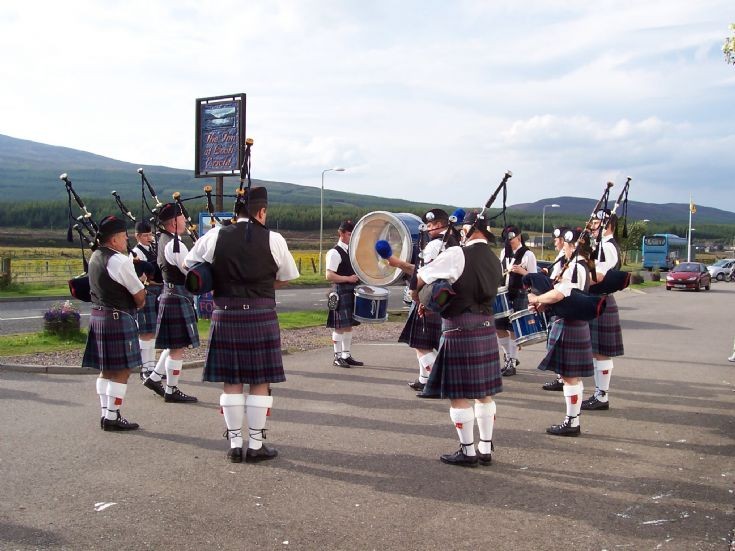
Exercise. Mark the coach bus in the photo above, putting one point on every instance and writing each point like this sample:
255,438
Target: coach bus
663,251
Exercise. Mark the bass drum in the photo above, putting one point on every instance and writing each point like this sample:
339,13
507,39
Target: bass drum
401,230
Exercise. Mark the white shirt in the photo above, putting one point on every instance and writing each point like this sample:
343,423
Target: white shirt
557,265
449,265
121,270
528,261
203,251
565,285
177,259
333,259
611,257
434,248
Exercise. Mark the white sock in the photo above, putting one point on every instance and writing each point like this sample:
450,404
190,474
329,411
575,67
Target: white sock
160,370
425,364
102,393
603,372
597,377
257,411
573,397
485,415
505,344
346,344
464,422
173,371
233,408
337,342
115,395
512,348
148,354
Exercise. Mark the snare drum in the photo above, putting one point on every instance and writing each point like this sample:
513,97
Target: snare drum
529,327
502,307
371,304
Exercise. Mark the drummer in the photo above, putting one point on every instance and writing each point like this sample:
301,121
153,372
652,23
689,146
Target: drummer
423,328
342,298
559,261
517,260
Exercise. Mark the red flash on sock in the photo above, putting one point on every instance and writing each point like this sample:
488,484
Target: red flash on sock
428,369
575,398
221,410
176,372
268,413
606,372
118,401
459,425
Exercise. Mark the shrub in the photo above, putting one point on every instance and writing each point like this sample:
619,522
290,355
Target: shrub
62,319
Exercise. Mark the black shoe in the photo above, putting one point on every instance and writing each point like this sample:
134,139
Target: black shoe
417,385
234,455
556,384
119,424
341,362
565,429
102,423
459,458
486,458
352,361
179,397
593,404
144,374
509,369
263,454
155,386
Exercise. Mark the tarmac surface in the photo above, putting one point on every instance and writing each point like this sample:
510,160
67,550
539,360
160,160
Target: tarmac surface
358,465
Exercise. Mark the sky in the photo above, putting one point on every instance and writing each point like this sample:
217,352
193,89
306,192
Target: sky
421,100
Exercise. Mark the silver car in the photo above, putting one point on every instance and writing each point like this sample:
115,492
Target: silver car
721,269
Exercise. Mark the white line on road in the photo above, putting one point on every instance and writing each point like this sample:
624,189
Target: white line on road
29,318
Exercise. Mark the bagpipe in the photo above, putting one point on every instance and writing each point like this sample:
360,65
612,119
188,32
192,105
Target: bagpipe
88,232
199,278
437,296
580,305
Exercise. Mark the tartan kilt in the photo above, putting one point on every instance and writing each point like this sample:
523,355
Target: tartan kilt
569,351
605,331
422,332
176,326
112,344
244,345
517,304
342,317
467,364
148,315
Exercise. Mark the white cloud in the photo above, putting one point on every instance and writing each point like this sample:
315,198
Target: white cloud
421,101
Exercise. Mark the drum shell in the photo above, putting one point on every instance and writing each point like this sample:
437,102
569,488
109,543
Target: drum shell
502,307
529,327
371,304
401,230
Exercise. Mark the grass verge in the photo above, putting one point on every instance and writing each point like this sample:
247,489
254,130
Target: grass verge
27,290
41,343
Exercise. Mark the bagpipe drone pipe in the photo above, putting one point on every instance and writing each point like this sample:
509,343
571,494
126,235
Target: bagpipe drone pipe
88,233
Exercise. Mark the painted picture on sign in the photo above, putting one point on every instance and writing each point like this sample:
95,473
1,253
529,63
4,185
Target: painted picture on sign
219,117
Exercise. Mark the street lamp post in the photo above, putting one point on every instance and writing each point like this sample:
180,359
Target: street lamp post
321,212
543,225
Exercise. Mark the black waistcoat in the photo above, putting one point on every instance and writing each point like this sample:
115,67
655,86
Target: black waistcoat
477,286
244,268
106,291
148,256
345,266
171,273
515,282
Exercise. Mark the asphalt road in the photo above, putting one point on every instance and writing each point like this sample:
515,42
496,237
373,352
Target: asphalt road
26,316
358,465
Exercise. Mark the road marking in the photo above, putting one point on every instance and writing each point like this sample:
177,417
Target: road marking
30,318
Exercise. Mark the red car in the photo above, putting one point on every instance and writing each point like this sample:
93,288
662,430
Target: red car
689,275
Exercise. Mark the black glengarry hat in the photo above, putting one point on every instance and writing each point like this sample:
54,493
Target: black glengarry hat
347,225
